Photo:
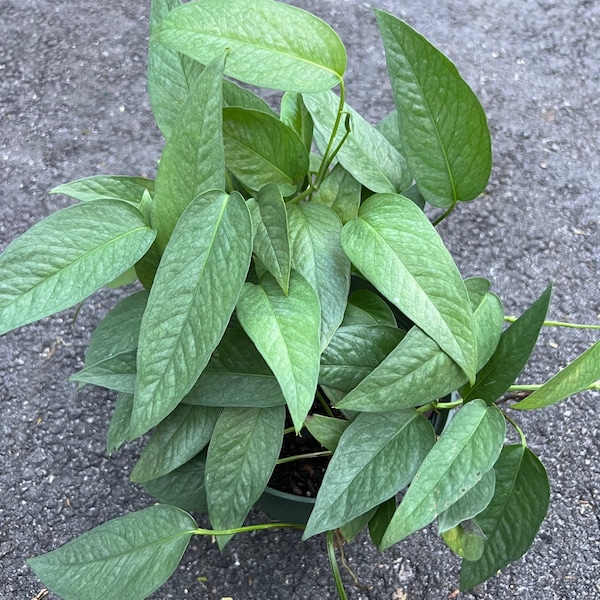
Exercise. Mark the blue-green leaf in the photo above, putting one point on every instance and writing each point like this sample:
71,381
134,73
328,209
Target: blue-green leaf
190,303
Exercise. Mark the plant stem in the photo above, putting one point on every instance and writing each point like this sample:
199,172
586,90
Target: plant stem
246,529
436,405
323,402
517,429
288,459
445,214
510,319
335,570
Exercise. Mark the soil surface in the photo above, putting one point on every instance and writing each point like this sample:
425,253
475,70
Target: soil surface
73,103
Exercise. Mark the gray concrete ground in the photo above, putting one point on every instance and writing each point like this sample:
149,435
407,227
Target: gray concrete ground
73,103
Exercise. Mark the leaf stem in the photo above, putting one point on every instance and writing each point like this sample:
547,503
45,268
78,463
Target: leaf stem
288,459
247,528
437,405
517,429
335,570
445,214
510,319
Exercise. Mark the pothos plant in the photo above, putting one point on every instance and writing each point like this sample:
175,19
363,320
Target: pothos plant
294,284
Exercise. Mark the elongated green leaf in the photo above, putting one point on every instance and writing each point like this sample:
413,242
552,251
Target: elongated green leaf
193,159
98,242
119,331
351,529
354,351
236,375
118,431
260,149
513,517
514,349
236,95
365,154
317,254
117,372
271,234
575,377
398,250
443,129
376,457
241,457
196,287
176,440
268,44
418,371
326,430
466,450
184,487
285,329
129,557
295,115
367,308
106,187
471,504
341,192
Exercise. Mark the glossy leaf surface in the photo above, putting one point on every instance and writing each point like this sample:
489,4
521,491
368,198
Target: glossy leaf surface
285,329
326,430
106,187
241,457
367,308
317,254
98,242
376,457
392,235
513,517
129,557
280,47
443,128
466,450
365,154
191,302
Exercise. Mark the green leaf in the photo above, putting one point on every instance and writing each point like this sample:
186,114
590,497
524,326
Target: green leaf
367,308
193,159
269,44
574,378
466,450
98,242
514,349
285,329
176,440
466,539
236,375
376,457
443,129
295,115
513,517
351,529
271,234
354,351
241,457
118,431
129,557
117,372
317,254
236,95
398,250
196,287
260,149
381,519
326,430
171,75
365,154
418,371
341,192
106,187
470,505
119,331
184,487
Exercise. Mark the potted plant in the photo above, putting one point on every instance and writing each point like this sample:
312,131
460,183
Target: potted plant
293,290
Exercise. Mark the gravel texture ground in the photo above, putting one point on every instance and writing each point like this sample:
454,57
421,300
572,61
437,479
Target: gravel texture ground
73,103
